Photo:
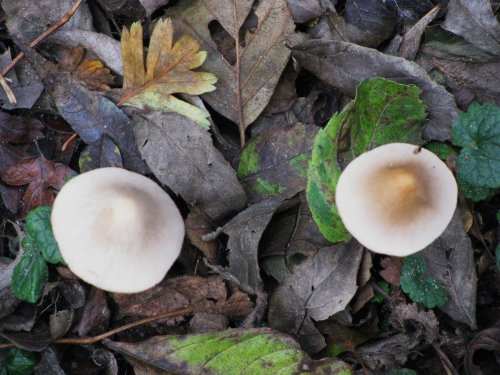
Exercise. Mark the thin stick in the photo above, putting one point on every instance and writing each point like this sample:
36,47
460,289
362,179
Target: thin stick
68,142
8,91
94,339
42,36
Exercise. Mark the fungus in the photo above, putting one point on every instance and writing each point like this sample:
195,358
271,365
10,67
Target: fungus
396,199
117,230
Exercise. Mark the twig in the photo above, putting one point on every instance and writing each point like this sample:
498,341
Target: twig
94,339
42,36
68,142
8,91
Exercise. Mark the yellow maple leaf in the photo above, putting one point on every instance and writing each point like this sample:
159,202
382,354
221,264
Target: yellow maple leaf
168,71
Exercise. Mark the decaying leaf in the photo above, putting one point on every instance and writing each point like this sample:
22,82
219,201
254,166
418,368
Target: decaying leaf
199,224
91,73
171,294
168,71
89,113
251,54
233,351
290,237
344,65
318,288
274,163
475,22
450,260
245,231
182,156
43,177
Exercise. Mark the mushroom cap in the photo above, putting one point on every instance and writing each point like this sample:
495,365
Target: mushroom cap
396,199
117,230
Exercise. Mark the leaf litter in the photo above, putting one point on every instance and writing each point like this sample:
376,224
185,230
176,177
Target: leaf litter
276,77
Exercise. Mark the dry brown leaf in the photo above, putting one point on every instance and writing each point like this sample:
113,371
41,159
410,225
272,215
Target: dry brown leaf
247,50
168,71
91,73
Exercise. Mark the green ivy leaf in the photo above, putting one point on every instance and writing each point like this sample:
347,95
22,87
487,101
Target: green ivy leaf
382,112
475,192
421,289
478,132
442,150
19,362
39,228
30,274
233,351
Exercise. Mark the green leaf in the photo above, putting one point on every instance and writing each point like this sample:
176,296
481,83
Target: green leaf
478,132
378,298
382,112
385,111
323,174
420,288
442,150
229,352
39,228
475,192
30,274
19,362
403,371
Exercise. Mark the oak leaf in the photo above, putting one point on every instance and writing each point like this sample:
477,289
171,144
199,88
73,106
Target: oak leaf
168,71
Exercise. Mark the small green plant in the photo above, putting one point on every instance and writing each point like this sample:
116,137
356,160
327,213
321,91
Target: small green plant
18,362
418,286
39,245
477,131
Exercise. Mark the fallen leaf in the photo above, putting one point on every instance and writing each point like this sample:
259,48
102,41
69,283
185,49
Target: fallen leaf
207,322
245,231
233,351
181,155
391,270
290,237
367,24
91,73
388,352
28,19
247,81
60,322
317,289
475,22
237,306
450,260
100,154
15,129
412,38
344,65
487,339
168,71
150,6
43,177
89,113
199,224
34,341
26,91
372,17
48,364
96,314
171,294
104,47
274,163
425,321
304,11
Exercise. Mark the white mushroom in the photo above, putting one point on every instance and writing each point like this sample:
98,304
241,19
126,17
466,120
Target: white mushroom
396,199
117,230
